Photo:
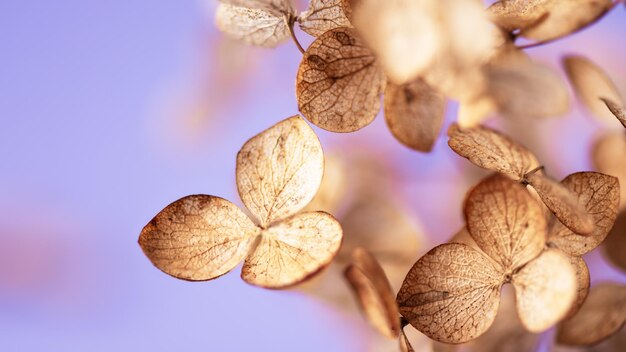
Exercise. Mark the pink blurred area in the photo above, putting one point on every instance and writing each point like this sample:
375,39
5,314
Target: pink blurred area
111,110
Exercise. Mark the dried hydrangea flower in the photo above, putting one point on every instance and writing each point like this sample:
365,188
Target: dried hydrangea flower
202,237
452,293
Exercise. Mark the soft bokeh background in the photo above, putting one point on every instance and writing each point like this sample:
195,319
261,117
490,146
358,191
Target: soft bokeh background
110,110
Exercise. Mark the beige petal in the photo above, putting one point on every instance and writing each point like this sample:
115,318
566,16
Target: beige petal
608,157
583,282
506,222
252,26
339,82
373,293
616,109
410,36
472,112
293,250
414,113
545,290
516,14
506,334
526,89
348,7
602,315
397,30
451,294
599,195
615,244
274,7
591,83
563,203
198,238
492,150
322,16
566,17
279,170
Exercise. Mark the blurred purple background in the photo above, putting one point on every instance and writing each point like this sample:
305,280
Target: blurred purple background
112,109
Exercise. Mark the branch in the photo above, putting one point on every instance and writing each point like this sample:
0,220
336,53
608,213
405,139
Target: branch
291,20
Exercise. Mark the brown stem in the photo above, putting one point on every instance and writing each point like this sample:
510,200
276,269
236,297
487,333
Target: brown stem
534,170
291,20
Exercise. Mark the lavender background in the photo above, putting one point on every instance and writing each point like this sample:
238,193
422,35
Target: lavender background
110,110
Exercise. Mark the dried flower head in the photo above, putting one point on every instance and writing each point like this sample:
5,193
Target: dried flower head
452,293
270,22
202,237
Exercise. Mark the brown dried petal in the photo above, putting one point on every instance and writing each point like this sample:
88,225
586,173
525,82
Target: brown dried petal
414,113
293,250
373,293
515,14
451,294
251,25
566,17
339,82
591,83
410,37
279,170
583,282
599,195
545,290
524,89
397,30
602,315
506,334
472,112
615,244
492,150
608,157
562,203
348,7
322,16
616,109
198,237
274,7
506,222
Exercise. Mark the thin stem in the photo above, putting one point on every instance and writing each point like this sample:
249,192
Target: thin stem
534,170
291,21
536,44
